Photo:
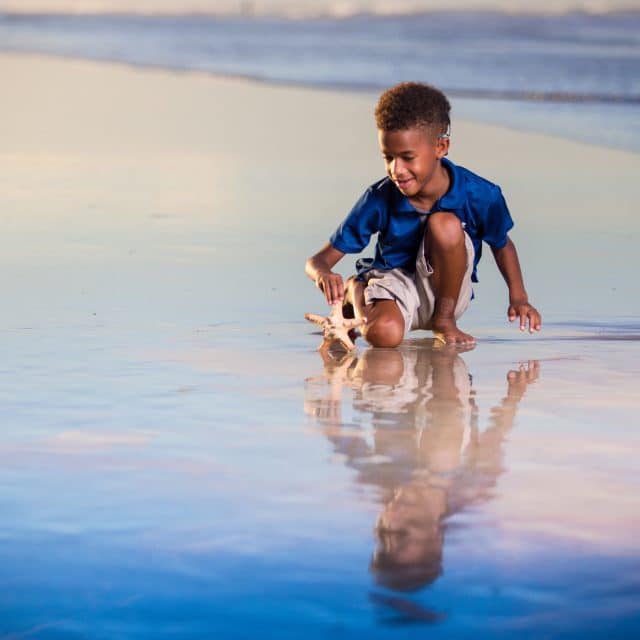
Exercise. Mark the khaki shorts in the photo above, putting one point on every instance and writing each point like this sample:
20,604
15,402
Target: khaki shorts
412,292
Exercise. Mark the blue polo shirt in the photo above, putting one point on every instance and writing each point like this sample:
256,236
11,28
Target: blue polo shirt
383,209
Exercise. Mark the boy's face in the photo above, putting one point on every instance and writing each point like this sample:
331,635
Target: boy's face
412,158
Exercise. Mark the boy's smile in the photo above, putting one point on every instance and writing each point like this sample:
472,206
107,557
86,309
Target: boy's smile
412,160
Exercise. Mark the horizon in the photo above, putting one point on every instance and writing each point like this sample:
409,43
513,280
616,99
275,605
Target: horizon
310,8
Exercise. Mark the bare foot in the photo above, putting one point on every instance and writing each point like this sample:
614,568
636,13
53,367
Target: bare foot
446,330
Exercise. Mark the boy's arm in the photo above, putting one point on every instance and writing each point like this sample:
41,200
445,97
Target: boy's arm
318,268
519,306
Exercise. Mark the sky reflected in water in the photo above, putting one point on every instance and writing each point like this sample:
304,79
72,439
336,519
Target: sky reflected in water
198,484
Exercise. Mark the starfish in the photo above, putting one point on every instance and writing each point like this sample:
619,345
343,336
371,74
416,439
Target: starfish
335,326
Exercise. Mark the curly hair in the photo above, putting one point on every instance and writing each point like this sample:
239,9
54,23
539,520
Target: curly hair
413,104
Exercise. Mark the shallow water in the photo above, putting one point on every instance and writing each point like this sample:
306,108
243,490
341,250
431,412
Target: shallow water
207,473
173,483
180,471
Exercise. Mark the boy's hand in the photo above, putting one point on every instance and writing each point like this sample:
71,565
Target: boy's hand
331,285
527,313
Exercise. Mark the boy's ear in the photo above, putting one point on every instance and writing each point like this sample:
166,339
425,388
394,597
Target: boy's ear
442,147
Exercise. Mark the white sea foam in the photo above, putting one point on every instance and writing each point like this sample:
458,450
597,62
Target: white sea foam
308,8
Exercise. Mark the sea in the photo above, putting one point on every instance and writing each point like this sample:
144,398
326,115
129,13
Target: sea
574,74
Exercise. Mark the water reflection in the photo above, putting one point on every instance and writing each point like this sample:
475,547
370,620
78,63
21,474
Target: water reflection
414,436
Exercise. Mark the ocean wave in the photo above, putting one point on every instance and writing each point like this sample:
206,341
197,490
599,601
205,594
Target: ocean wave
569,59
313,8
563,75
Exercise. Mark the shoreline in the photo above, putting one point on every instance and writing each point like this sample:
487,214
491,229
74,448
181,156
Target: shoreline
486,98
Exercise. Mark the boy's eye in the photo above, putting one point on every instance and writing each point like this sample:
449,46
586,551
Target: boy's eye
389,159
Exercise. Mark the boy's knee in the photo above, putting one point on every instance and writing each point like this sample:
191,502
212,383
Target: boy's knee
445,230
384,332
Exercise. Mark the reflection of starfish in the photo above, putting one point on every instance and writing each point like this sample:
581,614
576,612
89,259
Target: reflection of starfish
323,394
336,327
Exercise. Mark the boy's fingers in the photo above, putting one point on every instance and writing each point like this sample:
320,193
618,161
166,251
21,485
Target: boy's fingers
534,321
528,315
337,291
333,289
328,288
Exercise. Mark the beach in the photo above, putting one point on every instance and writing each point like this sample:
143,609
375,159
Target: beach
178,461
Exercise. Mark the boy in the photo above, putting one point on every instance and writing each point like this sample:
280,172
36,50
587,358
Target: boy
432,217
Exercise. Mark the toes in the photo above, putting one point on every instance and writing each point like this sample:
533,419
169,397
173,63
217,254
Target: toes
462,340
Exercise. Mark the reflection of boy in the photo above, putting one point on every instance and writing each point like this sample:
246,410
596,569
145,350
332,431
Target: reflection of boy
410,529
432,217
427,454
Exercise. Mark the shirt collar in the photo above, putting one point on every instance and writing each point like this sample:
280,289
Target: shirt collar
456,195
452,200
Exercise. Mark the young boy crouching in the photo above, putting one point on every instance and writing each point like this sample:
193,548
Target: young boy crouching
432,217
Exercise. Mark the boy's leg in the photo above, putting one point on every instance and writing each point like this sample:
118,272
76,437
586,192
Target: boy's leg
385,322
446,252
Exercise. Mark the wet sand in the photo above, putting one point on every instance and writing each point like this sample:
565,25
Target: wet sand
178,459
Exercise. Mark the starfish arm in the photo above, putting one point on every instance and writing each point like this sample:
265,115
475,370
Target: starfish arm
314,317
343,338
347,343
352,323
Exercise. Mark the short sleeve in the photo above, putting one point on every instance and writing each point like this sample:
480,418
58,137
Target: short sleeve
353,235
497,222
